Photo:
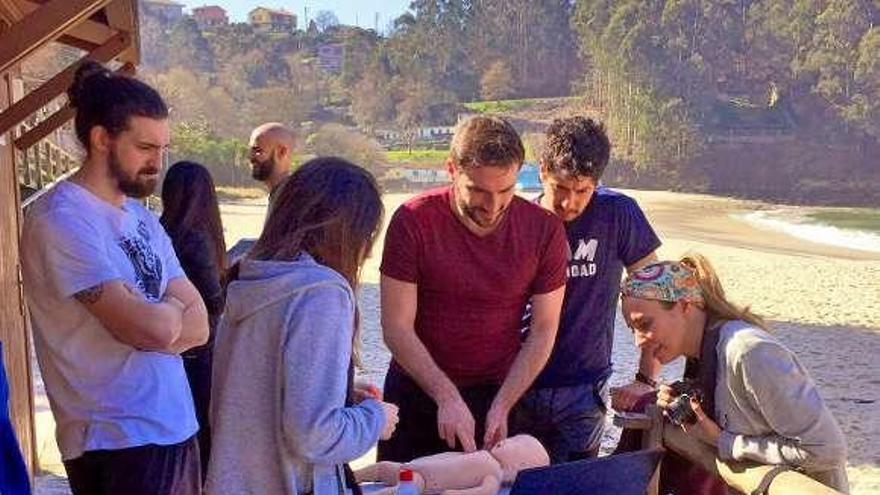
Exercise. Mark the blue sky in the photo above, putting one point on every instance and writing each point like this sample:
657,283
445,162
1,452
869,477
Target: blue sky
348,11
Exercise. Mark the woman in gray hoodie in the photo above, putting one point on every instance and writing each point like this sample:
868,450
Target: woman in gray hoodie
758,402
284,415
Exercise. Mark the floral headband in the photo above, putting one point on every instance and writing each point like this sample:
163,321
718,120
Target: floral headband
670,281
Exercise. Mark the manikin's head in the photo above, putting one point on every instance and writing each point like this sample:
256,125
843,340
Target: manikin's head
518,453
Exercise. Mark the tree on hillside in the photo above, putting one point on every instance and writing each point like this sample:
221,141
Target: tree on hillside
275,104
188,48
834,54
413,110
337,140
372,100
228,42
326,19
497,82
866,101
192,99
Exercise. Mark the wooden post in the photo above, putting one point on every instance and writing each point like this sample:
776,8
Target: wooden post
13,331
652,438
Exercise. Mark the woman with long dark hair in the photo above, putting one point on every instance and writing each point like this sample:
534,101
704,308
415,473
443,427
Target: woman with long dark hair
285,415
191,216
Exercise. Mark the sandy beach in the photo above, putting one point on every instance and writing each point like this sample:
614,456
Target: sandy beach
824,302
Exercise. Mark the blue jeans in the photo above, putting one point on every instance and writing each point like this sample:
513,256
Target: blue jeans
569,421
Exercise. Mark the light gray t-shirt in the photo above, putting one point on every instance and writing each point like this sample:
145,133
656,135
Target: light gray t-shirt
104,394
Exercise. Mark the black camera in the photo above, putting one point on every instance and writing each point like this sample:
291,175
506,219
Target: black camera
679,411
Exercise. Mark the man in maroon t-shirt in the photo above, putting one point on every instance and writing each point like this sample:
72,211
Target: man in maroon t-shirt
459,265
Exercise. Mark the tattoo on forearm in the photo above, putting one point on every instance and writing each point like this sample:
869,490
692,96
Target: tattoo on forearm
90,295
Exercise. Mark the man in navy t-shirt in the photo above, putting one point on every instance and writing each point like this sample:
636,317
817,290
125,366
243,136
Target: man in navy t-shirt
607,232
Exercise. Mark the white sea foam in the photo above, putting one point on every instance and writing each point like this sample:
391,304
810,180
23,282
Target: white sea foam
796,224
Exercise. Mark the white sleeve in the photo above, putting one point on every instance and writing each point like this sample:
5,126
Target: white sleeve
71,250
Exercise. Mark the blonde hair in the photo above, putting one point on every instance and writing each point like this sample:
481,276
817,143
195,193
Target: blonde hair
716,304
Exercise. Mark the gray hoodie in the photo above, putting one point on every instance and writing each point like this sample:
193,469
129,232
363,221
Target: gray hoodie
770,409
281,359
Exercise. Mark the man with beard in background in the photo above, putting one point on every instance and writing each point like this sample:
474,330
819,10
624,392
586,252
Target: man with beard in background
111,307
271,148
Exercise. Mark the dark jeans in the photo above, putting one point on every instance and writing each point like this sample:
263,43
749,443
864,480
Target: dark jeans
569,421
198,365
416,433
144,470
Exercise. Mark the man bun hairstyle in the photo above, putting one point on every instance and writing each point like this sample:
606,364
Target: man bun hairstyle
107,99
576,147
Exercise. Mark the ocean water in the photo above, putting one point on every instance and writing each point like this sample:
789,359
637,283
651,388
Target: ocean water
796,223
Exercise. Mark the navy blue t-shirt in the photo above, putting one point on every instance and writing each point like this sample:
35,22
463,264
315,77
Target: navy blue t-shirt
611,234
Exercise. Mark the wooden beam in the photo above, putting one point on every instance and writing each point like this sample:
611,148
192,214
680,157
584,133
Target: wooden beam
45,128
57,119
10,10
122,16
49,90
745,477
86,35
43,25
75,42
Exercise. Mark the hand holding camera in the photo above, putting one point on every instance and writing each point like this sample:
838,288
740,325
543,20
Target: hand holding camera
675,400
680,403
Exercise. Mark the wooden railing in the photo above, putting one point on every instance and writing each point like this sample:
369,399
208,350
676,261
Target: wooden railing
40,166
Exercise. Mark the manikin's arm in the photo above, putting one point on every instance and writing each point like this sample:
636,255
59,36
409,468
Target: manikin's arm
489,486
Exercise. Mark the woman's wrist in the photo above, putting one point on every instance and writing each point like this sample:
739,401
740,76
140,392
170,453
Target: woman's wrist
647,380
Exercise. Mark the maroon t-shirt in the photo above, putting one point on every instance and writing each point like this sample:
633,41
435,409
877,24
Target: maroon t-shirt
472,290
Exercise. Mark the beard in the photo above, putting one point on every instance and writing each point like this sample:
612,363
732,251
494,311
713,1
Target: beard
137,187
262,170
480,217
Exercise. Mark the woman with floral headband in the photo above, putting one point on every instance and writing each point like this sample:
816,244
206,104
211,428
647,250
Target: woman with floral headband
757,401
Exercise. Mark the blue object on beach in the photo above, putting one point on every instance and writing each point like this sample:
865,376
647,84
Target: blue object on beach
528,179
13,473
622,474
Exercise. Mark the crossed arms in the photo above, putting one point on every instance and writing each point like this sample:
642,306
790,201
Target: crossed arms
177,323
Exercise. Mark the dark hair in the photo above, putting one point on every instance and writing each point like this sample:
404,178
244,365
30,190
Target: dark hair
485,140
329,208
107,99
189,205
576,147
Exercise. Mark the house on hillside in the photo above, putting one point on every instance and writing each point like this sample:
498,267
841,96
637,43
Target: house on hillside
209,16
425,133
413,177
330,56
167,11
272,20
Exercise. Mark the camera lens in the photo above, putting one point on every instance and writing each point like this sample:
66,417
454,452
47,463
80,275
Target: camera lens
680,411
